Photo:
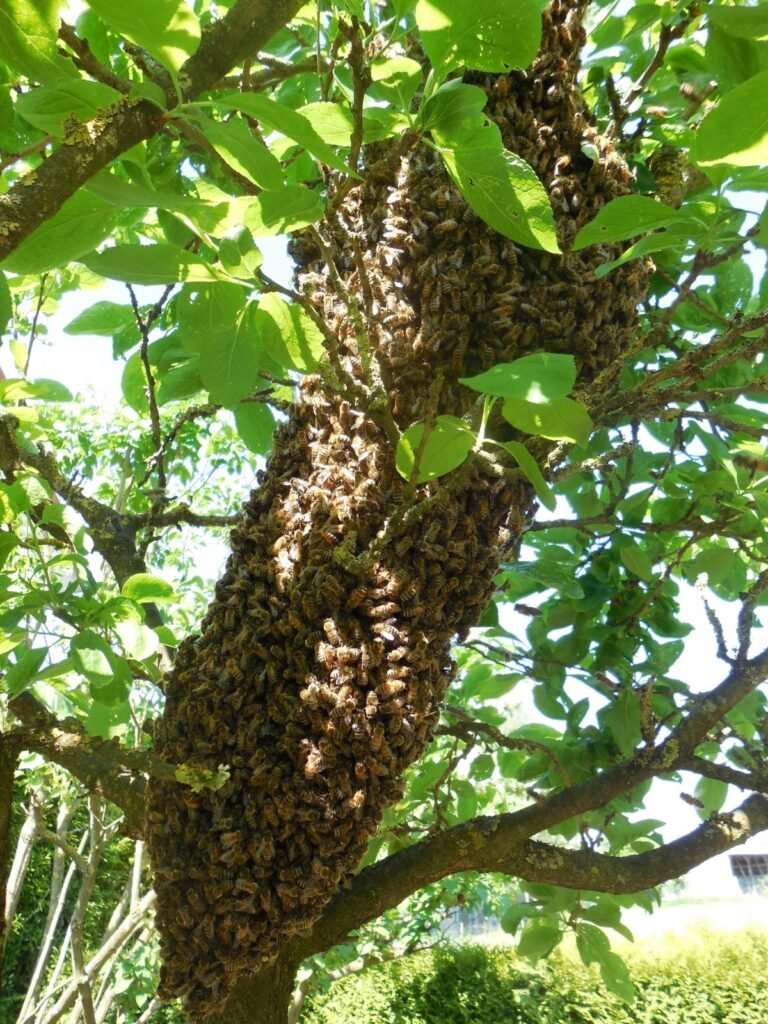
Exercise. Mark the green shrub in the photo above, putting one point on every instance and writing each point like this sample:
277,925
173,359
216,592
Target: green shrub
704,979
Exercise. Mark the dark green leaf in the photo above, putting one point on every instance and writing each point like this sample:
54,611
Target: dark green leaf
538,939
29,40
207,310
230,359
24,670
623,719
454,114
6,305
743,22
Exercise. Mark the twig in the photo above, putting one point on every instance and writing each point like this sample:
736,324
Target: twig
154,412
83,59
35,318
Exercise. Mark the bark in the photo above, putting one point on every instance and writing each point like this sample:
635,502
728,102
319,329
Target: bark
9,753
263,998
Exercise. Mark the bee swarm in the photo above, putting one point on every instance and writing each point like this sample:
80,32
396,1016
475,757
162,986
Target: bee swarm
317,686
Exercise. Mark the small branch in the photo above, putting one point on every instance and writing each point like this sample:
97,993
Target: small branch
182,513
757,782
81,979
154,412
35,318
9,754
83,59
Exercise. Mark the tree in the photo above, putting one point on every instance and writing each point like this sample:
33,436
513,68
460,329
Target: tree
476,330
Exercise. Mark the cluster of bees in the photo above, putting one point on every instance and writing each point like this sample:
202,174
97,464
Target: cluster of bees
316,680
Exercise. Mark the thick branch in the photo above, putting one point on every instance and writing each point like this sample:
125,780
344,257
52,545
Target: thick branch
93,145
494,844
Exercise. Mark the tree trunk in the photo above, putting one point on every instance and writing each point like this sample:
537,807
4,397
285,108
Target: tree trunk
263,998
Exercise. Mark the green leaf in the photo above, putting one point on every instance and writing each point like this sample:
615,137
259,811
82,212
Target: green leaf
592,943
624,218
505,191
138,641
29,40
94,658
180,382
638,561
743,22
235,143
108,721
281,211
530,468
23,671
332,122
538,939
288,333
142,587
483,34
208,309
101,318
448,444
712,794
165,28
541,377
151,264
78,227
48,107
736,131
454,114
616,977
560,419
256,425
277,117
18,390
6,304
623,719
395,79
230,360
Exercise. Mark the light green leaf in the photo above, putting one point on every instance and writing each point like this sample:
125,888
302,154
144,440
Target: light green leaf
142,587
561,419
616,977
638,561
207,310
151,264
138,640
230,360
180,382
482,34
736,131
657,242
78,227
20,389
592,943
101,318
256,425
277,117
278,212
540,377
24,670
743,22
6,305
448,444
289,335
109,720
29,40
235,143
167,29
94,658
711,793
395,79
332,122
538,939
530,468
49,106
454,113
505,191
624,218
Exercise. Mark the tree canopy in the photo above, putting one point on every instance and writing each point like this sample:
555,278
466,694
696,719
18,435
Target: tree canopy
508,426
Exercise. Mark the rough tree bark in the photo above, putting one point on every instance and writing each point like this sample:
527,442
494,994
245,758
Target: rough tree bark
321,663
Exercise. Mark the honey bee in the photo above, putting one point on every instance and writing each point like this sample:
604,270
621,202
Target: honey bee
446,227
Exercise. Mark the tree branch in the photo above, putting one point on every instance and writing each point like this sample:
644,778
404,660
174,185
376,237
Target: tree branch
494,844
91,146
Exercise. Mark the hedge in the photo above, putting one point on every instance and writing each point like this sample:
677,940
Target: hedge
700,979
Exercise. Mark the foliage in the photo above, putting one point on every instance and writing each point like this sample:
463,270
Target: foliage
716,979
653,475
